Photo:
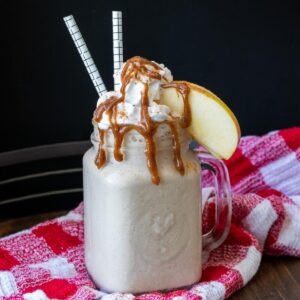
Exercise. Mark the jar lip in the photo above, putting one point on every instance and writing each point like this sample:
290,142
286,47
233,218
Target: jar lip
133,139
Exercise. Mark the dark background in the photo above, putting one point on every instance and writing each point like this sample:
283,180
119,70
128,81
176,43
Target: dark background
247,52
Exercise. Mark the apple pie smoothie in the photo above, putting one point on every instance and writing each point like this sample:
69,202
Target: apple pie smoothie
142,183
138,229
142,194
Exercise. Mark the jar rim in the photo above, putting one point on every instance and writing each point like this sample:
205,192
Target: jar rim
133,139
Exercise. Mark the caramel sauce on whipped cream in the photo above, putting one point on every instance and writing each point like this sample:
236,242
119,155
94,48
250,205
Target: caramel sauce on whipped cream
135,68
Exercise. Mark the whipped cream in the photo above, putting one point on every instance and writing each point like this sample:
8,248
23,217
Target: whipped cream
129,111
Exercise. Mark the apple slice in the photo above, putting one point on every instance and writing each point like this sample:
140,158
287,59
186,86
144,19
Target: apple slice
213,125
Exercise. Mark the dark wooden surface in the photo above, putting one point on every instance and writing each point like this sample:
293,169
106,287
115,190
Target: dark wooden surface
278,277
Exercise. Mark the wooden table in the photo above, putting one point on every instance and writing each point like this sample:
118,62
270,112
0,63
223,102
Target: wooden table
277,278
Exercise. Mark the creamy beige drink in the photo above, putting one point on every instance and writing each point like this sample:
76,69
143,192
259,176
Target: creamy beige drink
138,235
142,186
138,231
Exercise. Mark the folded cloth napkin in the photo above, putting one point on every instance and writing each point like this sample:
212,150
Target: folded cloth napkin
47,261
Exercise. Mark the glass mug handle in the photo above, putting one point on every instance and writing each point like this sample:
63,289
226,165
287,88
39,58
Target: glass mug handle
223,207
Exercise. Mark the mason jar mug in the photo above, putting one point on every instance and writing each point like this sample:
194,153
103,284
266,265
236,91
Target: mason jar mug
142,237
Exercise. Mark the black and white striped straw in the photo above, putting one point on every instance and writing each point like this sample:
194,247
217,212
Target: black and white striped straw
117,45
85,55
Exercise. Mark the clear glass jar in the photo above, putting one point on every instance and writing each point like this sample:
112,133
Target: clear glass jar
140,236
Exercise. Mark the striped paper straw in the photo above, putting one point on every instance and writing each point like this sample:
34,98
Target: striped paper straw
85,55
117,44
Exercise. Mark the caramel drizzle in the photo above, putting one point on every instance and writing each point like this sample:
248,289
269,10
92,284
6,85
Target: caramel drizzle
101,155
146,127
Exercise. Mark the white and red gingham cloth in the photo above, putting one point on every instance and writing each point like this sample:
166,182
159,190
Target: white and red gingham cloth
47,261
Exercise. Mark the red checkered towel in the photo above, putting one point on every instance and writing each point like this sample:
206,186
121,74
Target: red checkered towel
47,262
